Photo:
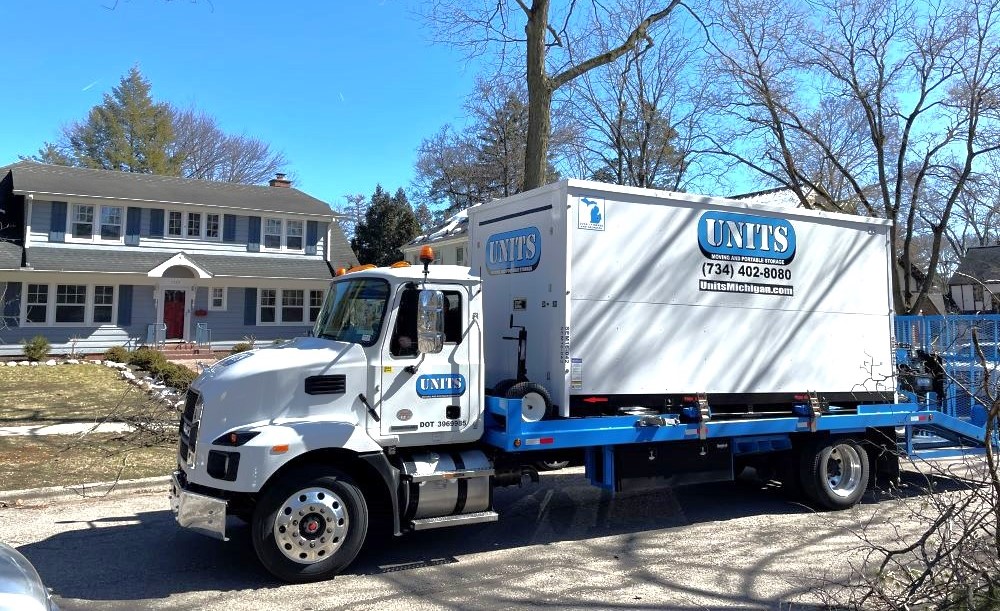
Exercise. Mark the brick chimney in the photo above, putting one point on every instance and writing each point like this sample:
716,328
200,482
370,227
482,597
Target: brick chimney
279,180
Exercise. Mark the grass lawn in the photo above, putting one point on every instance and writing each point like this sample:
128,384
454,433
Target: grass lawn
71,460
69,393
81,393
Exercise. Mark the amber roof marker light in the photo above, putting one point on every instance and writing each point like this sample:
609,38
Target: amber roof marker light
426,257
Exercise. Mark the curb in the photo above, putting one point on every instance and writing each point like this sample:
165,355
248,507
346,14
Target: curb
13,498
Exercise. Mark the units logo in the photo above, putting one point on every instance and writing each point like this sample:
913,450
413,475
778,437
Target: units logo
513,252
728,236
441,385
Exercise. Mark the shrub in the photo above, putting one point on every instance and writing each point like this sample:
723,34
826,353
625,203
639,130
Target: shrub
117,354
36,348
148,359
176,376
241,347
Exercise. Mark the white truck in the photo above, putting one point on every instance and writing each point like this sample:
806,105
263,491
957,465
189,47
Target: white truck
668,338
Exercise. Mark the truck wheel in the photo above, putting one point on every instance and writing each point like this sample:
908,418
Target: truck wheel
835,473
500,390
310,527
551,465
536,404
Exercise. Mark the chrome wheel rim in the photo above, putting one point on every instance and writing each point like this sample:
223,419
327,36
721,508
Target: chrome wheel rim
842,470
311,525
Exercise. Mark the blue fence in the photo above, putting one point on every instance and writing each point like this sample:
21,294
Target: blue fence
951,337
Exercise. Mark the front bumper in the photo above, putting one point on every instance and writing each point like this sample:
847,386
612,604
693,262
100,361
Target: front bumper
199,512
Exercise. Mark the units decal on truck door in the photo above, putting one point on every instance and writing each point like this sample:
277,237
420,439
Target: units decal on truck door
746,254
513,252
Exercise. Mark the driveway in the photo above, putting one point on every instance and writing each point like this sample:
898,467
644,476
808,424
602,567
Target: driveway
559,544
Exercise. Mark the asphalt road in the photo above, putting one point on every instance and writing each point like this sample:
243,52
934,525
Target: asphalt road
558,544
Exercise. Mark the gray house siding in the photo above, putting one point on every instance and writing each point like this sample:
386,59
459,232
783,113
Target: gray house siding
227,327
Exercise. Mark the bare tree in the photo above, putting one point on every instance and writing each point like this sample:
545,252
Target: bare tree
915,83
352,214
206,152
642,115
549,59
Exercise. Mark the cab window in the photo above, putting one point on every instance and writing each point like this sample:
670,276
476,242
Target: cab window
404,336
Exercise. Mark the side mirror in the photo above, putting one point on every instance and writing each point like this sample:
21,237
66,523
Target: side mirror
430,322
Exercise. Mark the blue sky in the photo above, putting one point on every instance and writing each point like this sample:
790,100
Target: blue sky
346,90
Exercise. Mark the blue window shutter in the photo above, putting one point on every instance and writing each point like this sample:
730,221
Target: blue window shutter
124,305
11,303
57,230
250,307
253,242
229,228
312,237
156,222
133,224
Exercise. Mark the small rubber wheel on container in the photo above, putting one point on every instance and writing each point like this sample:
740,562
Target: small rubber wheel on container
500,390
310,526
834,472
536,404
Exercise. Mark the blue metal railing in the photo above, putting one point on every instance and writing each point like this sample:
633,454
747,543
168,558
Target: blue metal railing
952,338
203,336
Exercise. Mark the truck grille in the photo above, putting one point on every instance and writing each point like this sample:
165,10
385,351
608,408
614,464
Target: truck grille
188,427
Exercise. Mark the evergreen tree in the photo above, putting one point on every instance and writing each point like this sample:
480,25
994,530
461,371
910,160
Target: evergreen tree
425,218
389,224
127,132
131,132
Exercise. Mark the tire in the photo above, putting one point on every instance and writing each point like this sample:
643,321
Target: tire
551,465
311,526
835,473
500,390
536,402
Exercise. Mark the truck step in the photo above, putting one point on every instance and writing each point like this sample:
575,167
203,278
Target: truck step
466,518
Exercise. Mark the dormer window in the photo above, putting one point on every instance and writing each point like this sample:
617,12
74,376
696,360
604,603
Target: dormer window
90,221
272,233
293,235
280,234
193,225
83,221
111,223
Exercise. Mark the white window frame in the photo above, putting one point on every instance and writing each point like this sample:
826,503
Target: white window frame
99,226
27,303
71,221
218,227
282,235
90,295
310,306
211,299
279,296
185,234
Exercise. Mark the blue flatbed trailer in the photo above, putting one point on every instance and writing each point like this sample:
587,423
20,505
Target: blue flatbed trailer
919,431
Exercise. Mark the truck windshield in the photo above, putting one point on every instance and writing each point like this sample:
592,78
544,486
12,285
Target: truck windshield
353,311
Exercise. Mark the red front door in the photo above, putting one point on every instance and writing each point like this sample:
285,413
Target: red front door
173,313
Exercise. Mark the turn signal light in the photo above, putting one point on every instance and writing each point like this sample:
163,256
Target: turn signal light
235,438
279,449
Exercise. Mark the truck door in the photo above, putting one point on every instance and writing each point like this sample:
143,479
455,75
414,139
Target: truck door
425,393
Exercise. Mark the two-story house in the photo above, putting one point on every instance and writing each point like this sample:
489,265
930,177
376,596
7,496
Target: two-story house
95,258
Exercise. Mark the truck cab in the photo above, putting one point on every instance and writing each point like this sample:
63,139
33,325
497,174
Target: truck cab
389,380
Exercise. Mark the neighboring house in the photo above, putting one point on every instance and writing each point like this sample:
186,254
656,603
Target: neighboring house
449,240
95,258
977,280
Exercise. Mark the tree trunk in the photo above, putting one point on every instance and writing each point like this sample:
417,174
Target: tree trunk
539,97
